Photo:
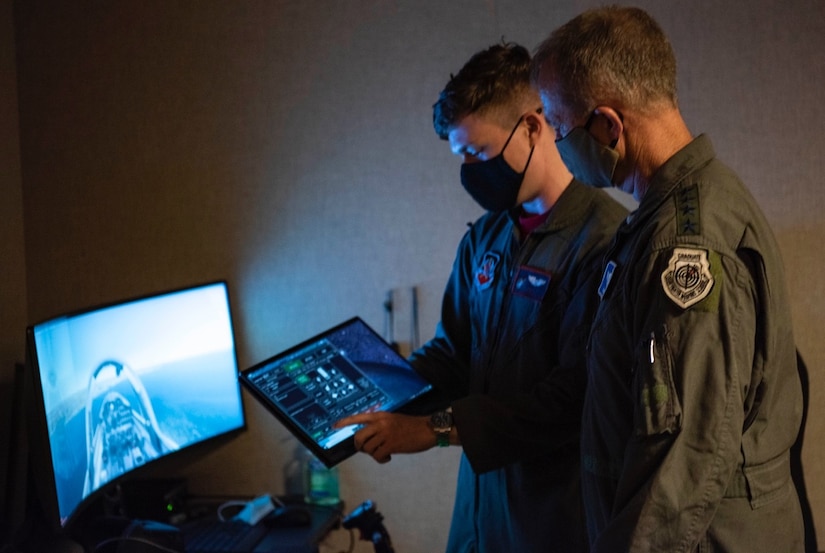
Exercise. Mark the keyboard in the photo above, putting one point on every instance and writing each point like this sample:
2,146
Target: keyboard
231,536
285,533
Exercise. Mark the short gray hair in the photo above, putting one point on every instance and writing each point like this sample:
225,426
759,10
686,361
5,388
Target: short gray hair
609,53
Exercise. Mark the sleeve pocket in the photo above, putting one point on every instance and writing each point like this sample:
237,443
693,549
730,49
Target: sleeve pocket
658,410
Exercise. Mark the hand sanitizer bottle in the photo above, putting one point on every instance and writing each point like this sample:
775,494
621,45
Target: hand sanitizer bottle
320,483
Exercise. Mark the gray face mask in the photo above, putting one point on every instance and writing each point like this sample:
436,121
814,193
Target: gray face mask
589,161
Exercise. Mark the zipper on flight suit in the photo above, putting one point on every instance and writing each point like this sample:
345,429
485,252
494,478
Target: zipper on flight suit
606,258
522,253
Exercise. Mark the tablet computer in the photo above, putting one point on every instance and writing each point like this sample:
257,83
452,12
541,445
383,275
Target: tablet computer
342,371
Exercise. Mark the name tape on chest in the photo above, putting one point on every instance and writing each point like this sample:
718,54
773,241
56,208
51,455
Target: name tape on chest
531,283
607,276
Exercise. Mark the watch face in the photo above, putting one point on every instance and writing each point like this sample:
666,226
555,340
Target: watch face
441,420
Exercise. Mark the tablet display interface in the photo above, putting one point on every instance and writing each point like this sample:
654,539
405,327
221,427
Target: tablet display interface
345,370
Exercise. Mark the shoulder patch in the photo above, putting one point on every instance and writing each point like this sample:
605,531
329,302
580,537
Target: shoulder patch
687,211
485,272
687,278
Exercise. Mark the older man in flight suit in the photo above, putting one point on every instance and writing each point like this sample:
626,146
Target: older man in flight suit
694,398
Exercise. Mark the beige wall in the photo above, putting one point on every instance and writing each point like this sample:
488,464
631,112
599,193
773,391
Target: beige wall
287,147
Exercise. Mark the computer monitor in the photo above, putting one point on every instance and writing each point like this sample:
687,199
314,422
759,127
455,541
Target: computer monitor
119,387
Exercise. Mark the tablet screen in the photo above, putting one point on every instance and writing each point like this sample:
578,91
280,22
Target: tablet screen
345,370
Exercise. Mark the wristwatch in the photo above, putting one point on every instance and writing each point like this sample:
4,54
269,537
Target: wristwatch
442,423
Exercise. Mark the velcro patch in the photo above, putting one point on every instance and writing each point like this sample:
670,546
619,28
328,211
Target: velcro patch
531,283
607,276
687,279
485,273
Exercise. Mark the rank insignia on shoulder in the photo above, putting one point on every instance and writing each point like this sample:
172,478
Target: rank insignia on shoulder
688,219
687,279
485,273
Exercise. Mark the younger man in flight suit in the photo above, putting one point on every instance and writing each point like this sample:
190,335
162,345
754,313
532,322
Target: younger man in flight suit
508,356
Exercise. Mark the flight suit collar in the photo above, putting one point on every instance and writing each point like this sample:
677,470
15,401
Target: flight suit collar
570,208
698,153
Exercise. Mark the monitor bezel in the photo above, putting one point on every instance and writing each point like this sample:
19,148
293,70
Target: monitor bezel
40,449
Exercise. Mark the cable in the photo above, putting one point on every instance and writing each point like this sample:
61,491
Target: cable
226,504
349,549
351,541
243,504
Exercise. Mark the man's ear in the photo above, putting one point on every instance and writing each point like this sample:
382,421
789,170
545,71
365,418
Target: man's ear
607,126
534,120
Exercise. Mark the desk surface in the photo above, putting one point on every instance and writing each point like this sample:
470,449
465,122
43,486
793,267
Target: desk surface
287,535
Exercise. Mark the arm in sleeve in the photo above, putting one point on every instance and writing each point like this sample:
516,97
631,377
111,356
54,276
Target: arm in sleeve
690,377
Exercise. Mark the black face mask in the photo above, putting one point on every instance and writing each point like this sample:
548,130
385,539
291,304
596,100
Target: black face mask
493,184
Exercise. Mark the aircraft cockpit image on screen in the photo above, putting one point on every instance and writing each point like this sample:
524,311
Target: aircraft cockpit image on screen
121,386
122,430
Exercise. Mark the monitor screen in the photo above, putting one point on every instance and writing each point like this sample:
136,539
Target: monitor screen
123,385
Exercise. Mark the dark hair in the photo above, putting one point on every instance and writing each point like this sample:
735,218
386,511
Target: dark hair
604,54
498,77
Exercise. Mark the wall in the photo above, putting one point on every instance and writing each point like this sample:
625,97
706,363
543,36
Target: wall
287,147
12,261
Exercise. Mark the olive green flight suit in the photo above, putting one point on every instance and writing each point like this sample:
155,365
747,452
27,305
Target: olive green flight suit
693,398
